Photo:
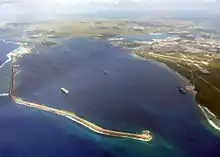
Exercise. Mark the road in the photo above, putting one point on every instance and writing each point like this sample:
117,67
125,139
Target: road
177,58
186,59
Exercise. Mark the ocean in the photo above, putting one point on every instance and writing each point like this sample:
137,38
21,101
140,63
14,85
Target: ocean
136,95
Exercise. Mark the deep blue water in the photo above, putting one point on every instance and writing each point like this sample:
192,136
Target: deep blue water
144,37
26,132
136,95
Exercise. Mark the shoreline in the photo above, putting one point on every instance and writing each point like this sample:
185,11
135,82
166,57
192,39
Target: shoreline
162,65
202,108
7,61
205,112
9,56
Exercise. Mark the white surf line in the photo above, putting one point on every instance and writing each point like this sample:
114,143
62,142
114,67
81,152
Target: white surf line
4,94
9,57
204,110
8,60
1,66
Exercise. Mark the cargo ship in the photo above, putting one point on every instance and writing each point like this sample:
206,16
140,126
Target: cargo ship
182,89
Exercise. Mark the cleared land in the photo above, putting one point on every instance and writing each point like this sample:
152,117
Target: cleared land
199,55
98,28
205,76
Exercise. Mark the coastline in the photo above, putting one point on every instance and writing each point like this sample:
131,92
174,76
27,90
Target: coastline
7,61
9,56
205,111
162,65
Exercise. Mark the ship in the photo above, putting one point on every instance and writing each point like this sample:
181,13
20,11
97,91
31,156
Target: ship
65,91
182,89
105,72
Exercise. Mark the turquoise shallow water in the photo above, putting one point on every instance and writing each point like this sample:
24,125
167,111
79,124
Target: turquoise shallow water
136,95
29,132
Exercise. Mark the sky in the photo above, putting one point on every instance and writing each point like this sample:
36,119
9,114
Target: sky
22,9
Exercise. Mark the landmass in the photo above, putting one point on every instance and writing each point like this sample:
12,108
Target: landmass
192,48
200,72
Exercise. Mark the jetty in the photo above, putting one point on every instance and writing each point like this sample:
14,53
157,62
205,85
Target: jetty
144,136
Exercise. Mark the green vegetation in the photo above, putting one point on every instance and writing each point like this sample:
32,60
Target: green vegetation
202,63
207,85
48,42
102,28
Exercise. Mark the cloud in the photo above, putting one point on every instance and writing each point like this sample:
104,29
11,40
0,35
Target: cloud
8,1
14,9
122,3
148,4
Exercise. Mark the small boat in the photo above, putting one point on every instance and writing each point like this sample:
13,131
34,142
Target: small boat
105,72
65,91
182,89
